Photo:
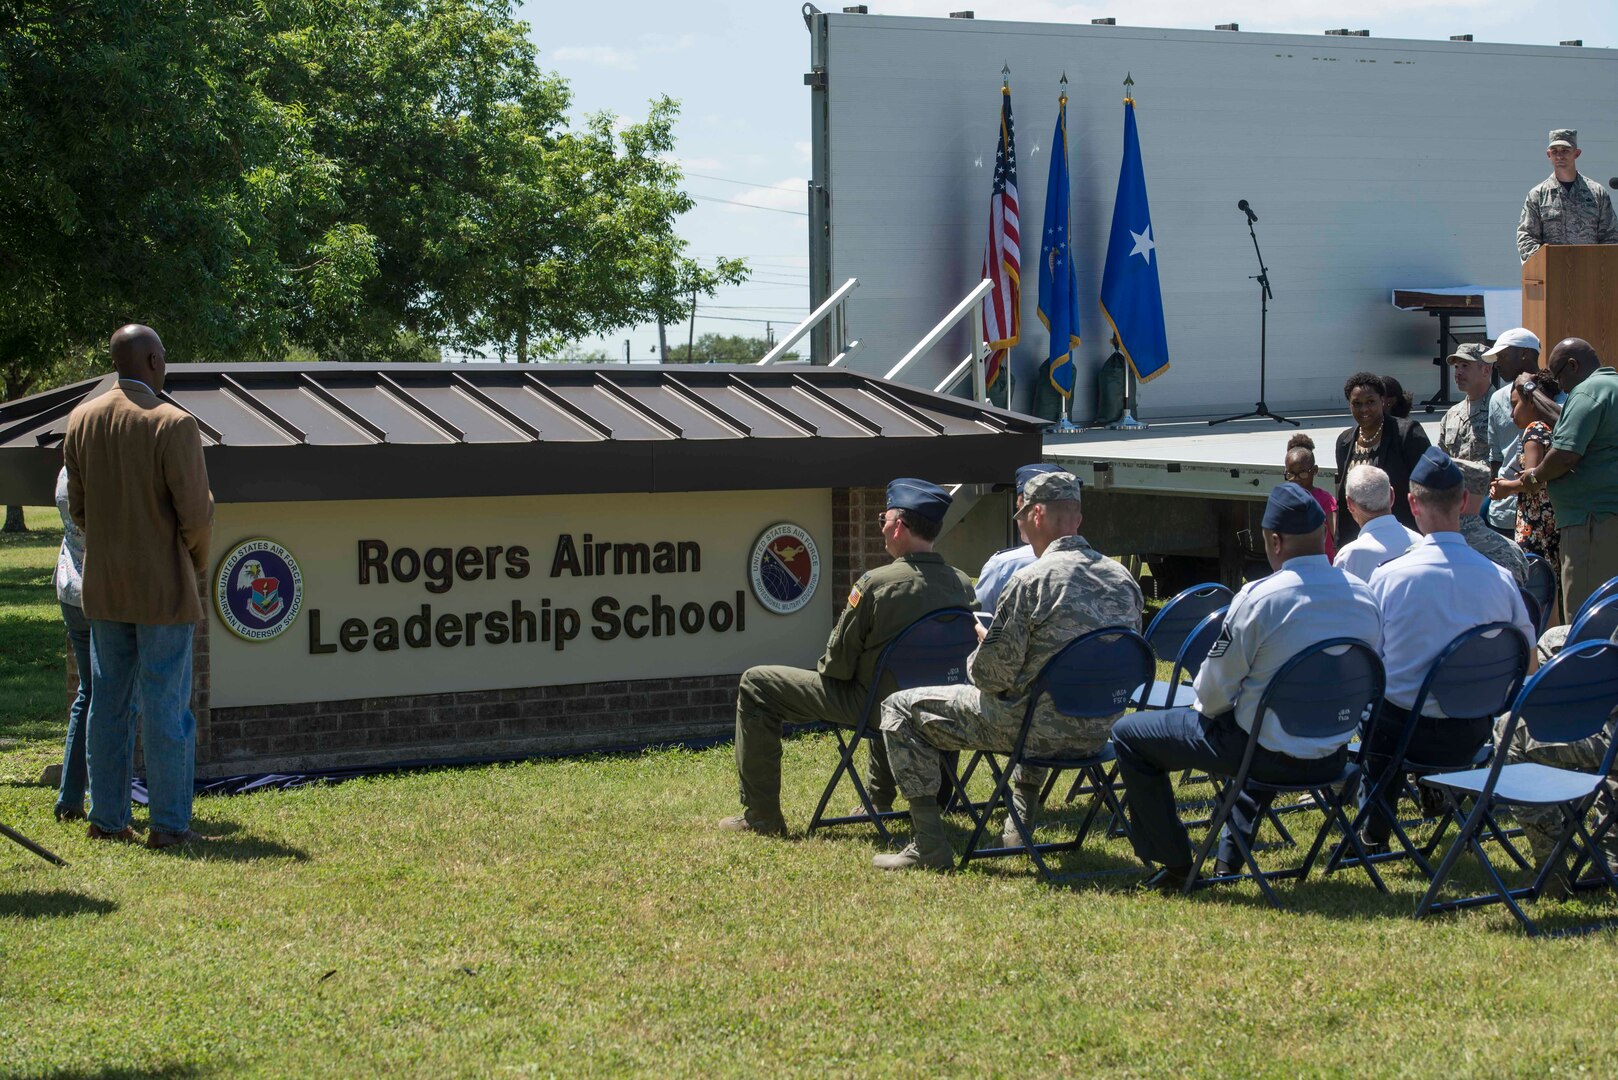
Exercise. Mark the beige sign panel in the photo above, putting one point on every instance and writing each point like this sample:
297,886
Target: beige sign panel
433,596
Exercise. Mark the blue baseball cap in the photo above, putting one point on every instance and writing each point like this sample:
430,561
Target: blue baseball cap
1292,511
924,499
1436,471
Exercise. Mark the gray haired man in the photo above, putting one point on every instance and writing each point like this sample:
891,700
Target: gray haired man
1069,590
1369,494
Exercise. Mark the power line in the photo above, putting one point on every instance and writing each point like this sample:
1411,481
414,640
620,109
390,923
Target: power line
751,206
746,183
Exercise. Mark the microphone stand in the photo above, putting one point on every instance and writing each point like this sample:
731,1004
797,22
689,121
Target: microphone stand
1261,410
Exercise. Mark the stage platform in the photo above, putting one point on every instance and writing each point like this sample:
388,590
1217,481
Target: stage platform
1236,460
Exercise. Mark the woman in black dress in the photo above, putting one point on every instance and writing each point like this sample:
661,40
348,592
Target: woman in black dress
1377,437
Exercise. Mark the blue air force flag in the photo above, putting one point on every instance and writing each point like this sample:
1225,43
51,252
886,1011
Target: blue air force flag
1058,280
1131,298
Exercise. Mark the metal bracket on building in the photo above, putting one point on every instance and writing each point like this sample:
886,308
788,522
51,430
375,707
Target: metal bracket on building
832,307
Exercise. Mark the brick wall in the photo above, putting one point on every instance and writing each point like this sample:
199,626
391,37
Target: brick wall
856,539
469,724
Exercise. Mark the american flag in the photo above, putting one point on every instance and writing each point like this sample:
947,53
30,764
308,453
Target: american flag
1002,262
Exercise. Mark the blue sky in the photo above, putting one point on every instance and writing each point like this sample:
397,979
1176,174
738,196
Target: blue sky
743,135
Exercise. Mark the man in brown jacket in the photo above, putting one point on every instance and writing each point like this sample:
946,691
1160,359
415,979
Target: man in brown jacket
138,487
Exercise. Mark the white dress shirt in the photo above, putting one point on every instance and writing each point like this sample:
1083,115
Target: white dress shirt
1380,539
996,574
1272,620
1432,594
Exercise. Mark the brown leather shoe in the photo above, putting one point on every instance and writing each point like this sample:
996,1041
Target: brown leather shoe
157,839
126,835
764,826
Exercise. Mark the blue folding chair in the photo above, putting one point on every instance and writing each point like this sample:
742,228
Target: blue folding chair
1569,699
1092,677
1542,586
932,651
1536,612
1603,591
1175,691
1323,692
1178,619
1477,674
1596,622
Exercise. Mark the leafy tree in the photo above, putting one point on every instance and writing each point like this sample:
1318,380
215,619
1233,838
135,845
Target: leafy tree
732,348
357,179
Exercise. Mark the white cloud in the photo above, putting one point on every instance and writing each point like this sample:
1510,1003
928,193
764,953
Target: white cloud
802,150
597,56
622,59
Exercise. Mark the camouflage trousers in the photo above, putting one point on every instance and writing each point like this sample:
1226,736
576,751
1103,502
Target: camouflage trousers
772,696
922,724
1542,824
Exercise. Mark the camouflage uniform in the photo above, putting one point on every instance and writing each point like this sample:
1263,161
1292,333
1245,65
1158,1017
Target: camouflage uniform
1500,550
882,603
1582,215
1070,590
1464,431
1543,824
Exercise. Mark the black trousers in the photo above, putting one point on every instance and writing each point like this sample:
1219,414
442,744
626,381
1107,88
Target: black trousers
1446,741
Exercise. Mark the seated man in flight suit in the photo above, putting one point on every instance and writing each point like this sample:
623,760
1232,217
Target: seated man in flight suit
882,603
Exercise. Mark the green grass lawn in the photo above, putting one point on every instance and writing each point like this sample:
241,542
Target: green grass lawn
582,917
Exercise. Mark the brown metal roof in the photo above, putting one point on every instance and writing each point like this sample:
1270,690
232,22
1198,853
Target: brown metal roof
276,432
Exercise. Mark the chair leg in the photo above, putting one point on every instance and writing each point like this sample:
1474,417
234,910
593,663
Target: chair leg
1002,781
845,766
1446,866
845,753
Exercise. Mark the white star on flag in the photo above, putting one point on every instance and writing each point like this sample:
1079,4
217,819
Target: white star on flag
1143,243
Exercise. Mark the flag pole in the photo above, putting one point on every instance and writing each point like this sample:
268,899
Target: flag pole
1005,88
1128,422
1066,425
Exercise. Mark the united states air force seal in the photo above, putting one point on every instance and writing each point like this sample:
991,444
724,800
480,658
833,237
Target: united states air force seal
784,567
258,589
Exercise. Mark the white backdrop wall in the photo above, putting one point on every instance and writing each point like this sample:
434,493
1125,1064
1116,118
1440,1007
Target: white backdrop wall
1372,164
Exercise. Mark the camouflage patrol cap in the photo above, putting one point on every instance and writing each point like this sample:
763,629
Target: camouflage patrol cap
1050,487
1474,477
1472,350
1564,137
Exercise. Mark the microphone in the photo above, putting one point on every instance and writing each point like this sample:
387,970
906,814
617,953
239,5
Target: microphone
1248,210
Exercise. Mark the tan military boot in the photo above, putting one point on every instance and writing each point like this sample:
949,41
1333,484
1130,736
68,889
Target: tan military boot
929,849
1025,797
767,826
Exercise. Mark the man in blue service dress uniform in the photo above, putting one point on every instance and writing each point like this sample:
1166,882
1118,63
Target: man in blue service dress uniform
1305,601
1430,595
882,603
997,572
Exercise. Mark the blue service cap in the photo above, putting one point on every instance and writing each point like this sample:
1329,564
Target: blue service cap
1028,472
919,497
1292,511
1436,471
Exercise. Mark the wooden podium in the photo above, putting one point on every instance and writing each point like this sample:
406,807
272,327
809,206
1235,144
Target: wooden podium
1571,290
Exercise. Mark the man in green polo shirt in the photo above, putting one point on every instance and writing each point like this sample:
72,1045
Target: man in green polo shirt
1581,469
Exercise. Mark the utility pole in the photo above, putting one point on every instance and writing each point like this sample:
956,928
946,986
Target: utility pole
626,350
691,335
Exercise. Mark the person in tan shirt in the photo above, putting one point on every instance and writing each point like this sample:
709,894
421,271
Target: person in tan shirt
138,487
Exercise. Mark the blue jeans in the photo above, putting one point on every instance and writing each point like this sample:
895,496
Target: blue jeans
1153,745
71,794
134,663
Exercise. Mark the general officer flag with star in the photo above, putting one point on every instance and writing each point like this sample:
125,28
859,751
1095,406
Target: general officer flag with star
1131,297
1058,280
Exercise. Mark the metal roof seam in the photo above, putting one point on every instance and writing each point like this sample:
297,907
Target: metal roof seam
410,401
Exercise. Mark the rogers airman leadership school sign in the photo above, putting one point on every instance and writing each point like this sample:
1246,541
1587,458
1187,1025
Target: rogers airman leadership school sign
430,596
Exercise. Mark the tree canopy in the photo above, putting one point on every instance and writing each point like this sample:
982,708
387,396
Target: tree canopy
352,179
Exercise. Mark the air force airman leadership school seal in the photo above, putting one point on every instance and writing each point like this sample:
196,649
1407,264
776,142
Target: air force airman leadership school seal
784,568
258,590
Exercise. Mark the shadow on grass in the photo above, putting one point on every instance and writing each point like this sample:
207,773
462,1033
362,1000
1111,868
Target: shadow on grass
168,1071
224,844
53,903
